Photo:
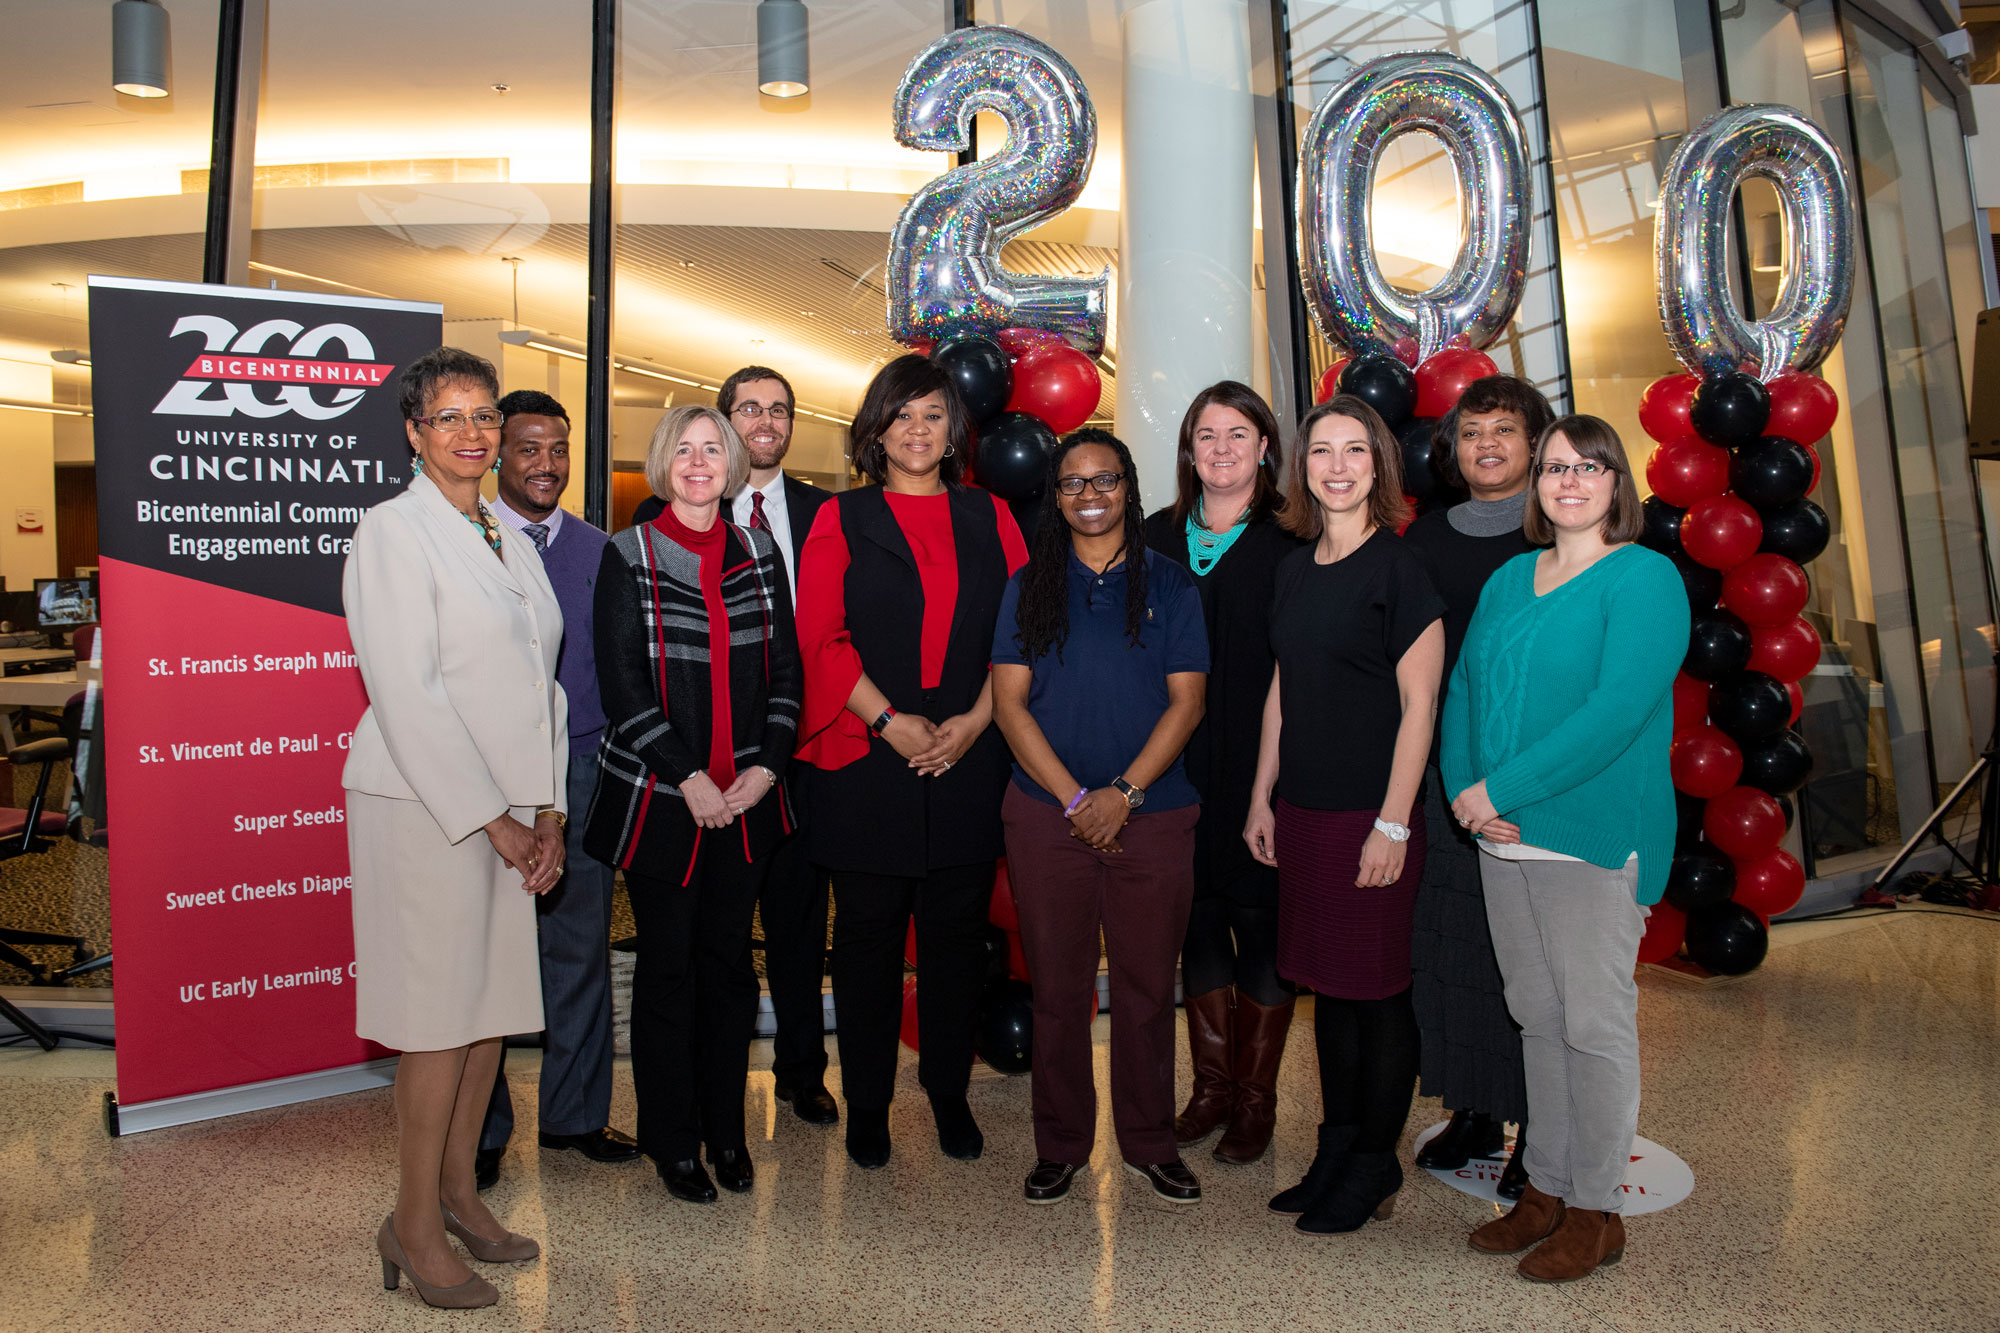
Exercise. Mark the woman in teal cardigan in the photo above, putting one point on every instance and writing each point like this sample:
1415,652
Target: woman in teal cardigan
1556,729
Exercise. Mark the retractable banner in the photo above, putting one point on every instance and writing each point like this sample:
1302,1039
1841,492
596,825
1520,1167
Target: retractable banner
241,434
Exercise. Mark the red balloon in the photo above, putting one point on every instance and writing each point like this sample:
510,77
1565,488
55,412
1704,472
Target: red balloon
1690,702
1744,822
910,1012
1666,925
1770,884
1329,383
1813,485
1798,702
1704,762
1002,911
1445,376
1803,407
1766,589
1784,652
1017,958
1017,343
1058,384
1406,351
1664,407
1721,531
1688,469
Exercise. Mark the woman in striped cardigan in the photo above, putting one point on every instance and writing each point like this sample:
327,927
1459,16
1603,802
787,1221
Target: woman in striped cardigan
698,667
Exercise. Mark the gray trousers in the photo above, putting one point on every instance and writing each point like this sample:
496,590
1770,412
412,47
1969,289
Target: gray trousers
1566,935
574,930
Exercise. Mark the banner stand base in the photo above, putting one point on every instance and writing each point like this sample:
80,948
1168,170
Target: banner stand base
139,1116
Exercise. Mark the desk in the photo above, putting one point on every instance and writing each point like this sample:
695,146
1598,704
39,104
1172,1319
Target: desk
11,658
50,689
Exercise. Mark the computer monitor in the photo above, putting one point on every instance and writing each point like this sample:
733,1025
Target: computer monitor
61,603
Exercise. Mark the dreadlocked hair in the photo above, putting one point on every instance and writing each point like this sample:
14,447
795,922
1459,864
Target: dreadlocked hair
1042,613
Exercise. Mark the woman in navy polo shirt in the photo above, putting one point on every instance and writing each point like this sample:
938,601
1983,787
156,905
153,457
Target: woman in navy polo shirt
1100,660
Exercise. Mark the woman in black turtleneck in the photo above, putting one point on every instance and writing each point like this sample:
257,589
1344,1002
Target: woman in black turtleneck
1471,1054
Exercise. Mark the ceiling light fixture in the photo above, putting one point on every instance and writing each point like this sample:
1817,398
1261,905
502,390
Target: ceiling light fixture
139,48
70,356
549,342
781,48
54,409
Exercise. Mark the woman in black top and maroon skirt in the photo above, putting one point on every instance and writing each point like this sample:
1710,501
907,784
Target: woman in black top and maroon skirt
1347,728
1223,526
899,588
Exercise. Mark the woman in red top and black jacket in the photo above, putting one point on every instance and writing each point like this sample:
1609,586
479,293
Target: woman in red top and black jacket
698,667
899,588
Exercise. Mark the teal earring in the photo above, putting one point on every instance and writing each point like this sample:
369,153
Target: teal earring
416,461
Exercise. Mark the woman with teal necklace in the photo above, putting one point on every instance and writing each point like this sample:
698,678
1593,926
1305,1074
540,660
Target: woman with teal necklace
1223,527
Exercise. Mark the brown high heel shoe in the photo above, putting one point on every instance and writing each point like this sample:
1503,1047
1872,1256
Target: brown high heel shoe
471,1294
511,1250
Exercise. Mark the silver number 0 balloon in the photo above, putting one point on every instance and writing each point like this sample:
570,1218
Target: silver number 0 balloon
1690,251
1463,106
944,274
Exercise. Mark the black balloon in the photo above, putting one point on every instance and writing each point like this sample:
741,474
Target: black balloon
1797,531
1700,877
1791,810
1704,585
1730,409
1005,1034
1779,765
1663,525
982,371
1421,479
1385,384
1012,454
1688,811
1749,706
1728,939
1718,643
1771,472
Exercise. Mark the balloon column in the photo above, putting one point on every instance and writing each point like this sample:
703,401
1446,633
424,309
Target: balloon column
1410,357
1731,476
1018,346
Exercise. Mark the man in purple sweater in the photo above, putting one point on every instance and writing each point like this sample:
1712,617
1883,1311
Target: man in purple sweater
575,916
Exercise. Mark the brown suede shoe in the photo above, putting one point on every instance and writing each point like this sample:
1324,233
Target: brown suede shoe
1260,1046
1586,1239
1209,1041
1534,1218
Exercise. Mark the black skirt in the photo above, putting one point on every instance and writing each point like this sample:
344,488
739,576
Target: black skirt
1471,1056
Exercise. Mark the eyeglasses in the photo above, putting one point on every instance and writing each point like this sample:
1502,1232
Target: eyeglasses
751,411
451,423
1585,471
1103,482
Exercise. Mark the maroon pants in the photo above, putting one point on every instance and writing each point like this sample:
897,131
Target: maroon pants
1067,891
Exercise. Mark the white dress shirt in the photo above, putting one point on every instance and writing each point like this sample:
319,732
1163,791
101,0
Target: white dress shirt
518,522
777,516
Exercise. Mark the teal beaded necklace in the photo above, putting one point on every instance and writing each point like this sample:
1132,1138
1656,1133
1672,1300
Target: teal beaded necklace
1205,548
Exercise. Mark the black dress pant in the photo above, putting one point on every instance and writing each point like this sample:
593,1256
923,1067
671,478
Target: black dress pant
870,922
694,1000
792,907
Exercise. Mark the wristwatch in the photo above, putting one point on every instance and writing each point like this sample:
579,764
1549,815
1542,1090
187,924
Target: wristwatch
888,715
1393,832
1134,796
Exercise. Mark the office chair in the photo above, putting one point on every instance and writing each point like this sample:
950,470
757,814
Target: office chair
23,832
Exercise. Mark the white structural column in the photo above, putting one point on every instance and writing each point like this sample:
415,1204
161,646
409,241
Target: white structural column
1185,311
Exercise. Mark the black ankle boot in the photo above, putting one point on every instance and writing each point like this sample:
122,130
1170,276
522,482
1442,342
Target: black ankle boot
1367,1189
868,1137
958,1132
1470,1134
1327,1164
1514,1179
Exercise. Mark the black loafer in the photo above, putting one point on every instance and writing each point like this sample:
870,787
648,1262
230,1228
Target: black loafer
1172,1181
814,1105
1514,1176
1049,1182
733,1170
687,1182
868,1138
599,1145
1469,1134
486,1168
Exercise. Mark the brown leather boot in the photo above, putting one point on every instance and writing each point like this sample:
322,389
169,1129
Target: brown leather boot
1533,1219
1260,1045
1585,1239
1209,1033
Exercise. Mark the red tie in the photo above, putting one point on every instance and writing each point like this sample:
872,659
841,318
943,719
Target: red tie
757,519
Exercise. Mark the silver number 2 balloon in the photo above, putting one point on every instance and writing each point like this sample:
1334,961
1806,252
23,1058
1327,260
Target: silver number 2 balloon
944,274
1690,254
1463,106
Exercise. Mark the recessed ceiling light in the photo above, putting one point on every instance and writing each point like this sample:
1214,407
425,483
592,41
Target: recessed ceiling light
500,88
687,263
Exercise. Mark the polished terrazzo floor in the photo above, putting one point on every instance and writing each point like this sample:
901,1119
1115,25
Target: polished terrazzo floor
1836,1109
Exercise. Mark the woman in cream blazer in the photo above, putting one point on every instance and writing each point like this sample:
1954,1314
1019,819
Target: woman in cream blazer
455,811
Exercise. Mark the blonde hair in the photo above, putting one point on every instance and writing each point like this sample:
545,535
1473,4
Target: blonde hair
673,428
